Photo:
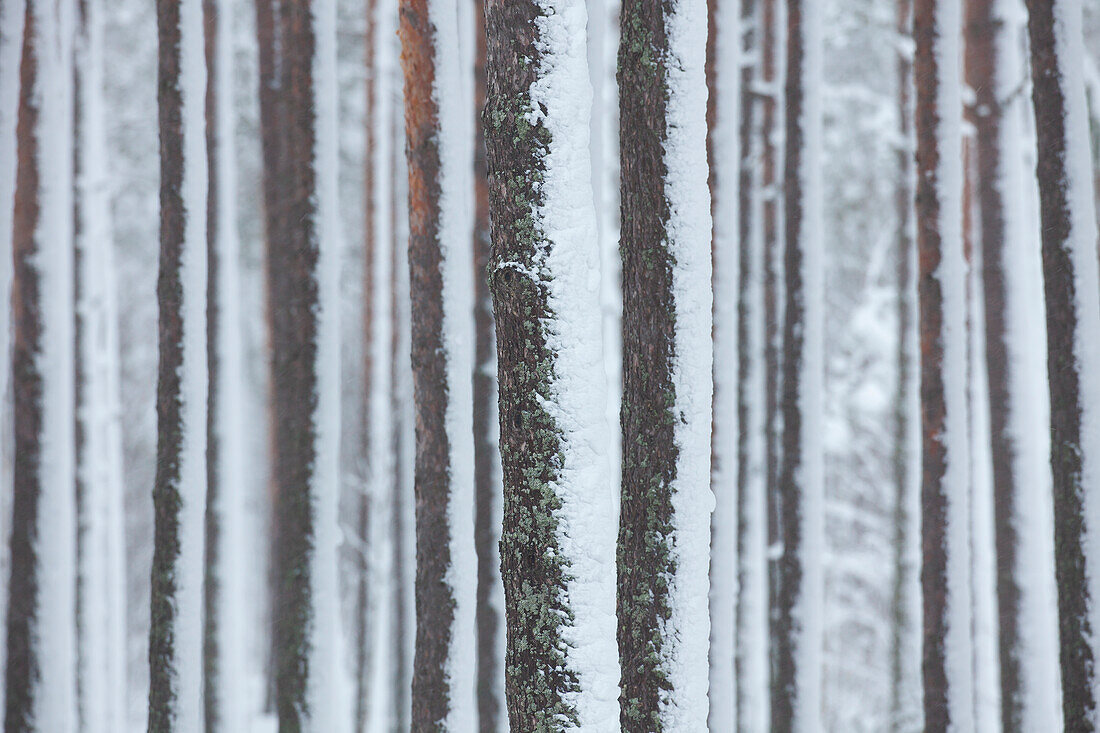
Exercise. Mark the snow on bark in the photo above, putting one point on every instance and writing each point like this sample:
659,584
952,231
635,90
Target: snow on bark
41,631
942,303
664,536
440,193
179,492
101,591
557,554
724,77
226,630
1070,273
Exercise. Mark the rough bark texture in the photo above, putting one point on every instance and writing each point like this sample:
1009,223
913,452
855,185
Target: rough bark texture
538,681
23,665
167,489
286,43
486,456
1049,94
645,565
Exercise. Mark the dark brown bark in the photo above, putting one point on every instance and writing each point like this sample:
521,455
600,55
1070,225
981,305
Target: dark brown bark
435,605
648,331
486,457
934,499
1049,94
23,664
903,624
287,103
792,481
538,680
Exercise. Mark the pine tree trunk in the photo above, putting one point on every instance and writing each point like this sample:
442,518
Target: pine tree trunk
179,490
905,713
297,88
41,626
224,624
557,554
442,332
1069,254
942,312
723,82
666,410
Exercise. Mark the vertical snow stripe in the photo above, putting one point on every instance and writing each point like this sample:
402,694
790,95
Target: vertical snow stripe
1070,275
179,490
945,575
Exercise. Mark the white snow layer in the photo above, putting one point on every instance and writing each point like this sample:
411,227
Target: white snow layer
810,478
55,548
323,680
1081,245
687,632
951,274
451,93
568,221
726,160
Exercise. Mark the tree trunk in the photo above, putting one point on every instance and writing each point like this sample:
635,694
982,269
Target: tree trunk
440,282
297,112
723,152
796,693
942,312
179,490
101,591
1069,253
488,495
557,556
224,622
905,712
41,626
667,359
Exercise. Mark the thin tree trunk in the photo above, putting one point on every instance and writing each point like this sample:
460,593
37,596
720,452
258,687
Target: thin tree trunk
796,694
297,98
1067,212
905,709
942,305
723,152
179,490
41,625
224,627
488,493
667,359
442,335
557,554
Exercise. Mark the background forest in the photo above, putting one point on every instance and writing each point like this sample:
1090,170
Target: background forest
870,677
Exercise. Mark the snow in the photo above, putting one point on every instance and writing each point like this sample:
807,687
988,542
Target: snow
324,690
451,93
689,235
567,219
725,147
1081,245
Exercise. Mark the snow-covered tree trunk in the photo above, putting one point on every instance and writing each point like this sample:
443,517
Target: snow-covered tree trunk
905,681
41,624
225,629
664,520
440,183
941,281
1067,211
723,152
179,490
796,690
101,577
557,550
1013,366
488,492
297,109
752,649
